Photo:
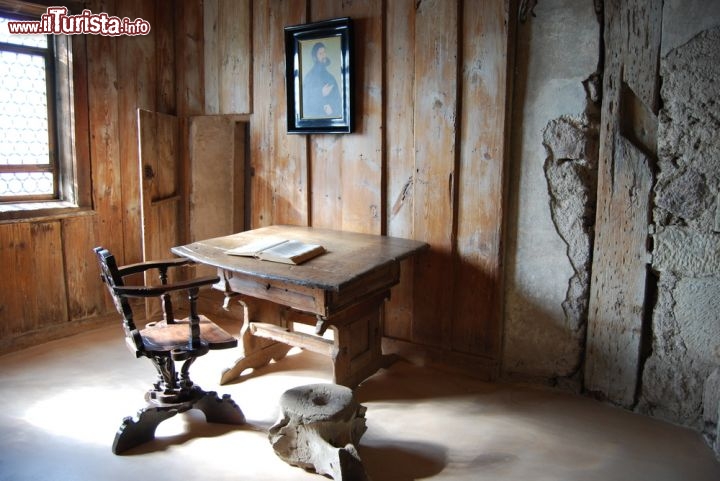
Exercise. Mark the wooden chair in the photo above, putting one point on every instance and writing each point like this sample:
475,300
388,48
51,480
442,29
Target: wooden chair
166,342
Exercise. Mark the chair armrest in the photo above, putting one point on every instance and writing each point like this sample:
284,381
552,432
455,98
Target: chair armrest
158,264
156,291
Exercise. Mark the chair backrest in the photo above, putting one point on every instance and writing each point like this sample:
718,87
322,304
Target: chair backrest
110,274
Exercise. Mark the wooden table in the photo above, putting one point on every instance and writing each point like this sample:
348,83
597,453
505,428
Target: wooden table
343,290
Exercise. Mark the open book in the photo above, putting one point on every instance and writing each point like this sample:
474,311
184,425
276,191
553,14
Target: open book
279,250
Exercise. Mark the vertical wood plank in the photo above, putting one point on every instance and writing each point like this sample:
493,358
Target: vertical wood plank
190,93
617,293
617,289
164,32
105,135
478,283
12,282
436,111
41,254
211,57
83,166
234,27
338,162
279,165
136,89
400,154
644,30
158,163
86,293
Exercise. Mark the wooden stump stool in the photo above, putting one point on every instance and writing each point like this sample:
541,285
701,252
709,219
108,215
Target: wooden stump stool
318,428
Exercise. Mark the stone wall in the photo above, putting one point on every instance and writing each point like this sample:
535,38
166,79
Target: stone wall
550,228
682,370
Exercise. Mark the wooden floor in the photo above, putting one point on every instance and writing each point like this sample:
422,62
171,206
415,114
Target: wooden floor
64,401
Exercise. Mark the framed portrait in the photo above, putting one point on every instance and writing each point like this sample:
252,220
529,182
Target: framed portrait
318,77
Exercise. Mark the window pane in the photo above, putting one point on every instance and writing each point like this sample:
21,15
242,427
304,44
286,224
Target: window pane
26,183
40,41
23,110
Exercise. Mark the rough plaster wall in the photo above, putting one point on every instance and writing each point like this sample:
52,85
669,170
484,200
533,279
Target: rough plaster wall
557,52
570,168
680,380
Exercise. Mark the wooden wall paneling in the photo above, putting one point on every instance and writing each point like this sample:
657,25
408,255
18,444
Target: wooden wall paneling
477,325
211,56
86,293
40,255
136,89
12,282
158,164
104,138
436,112
227,56
347,170
190,93
83,166
234,25
278,161
399,150
164,32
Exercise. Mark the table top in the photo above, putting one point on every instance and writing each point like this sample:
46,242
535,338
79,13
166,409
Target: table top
348,256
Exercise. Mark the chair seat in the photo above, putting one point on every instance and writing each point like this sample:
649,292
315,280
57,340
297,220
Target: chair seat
160,336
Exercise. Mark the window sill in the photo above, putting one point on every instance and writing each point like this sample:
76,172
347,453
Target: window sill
40,211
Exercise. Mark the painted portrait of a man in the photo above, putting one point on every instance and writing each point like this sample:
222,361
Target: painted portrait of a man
322,96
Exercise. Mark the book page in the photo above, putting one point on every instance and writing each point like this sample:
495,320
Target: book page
255,247
291,252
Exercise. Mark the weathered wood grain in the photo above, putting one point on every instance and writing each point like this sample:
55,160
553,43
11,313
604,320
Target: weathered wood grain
160,199
104,137
279,162
212,158
643,27
347,170
227,56
436,118
190,92
136,78
617,293
477,317
40,260
399,148
12,282
164,32
617,289
86,294
211,57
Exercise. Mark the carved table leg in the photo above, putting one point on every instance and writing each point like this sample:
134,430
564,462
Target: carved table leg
257,352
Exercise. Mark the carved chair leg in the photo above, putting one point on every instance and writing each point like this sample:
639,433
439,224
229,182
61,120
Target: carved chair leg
136,432
219,410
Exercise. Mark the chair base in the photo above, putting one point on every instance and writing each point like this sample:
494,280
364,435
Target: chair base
134,432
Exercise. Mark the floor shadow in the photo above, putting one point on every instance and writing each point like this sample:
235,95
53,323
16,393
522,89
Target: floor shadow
194,427
403,461
405,381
